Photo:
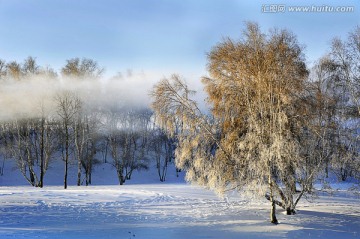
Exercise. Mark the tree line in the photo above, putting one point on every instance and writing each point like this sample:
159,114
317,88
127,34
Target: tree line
121,133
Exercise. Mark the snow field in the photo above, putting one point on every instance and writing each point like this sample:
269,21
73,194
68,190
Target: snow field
166,211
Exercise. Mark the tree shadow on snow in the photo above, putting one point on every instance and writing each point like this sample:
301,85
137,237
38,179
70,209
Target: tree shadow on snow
316,224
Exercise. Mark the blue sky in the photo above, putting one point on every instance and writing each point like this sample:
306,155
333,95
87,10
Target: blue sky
153,35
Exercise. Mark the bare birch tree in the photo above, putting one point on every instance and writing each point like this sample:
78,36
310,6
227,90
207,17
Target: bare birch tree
14,71
116,142
68,105
2,69
334,131
34,142
128,132
82,68
85,140
163,148
345,57
30,67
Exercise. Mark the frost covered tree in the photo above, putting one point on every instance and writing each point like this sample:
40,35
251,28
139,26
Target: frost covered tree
86,137
137,133
6,142
80,140
68,104
324,98
115,140
33,142
45,141
2,69
82,68
127,131
252,139
30,67
333,139
27,70
13,70
23,152
163,148
345,59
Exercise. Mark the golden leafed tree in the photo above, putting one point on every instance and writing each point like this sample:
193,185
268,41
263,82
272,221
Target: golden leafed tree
251,138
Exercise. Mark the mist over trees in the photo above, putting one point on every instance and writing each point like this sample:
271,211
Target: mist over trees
274,126
72,117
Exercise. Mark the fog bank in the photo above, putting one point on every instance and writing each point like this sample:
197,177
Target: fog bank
33,96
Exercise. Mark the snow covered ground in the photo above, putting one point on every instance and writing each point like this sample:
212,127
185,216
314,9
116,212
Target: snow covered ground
160,211
144,208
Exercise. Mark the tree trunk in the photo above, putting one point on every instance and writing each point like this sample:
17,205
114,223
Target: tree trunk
78,154
273,218
290,211
79,173
121,177
177,172
42,149
90,177
66,172
66,156
32,178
